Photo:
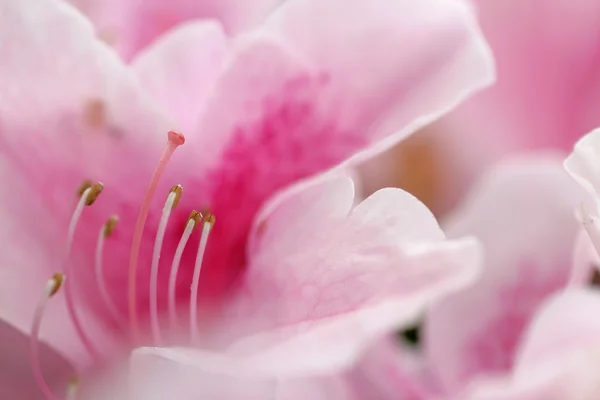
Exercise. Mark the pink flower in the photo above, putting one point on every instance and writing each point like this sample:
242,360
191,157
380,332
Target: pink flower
547,95
372,269
523,212
261,113
558,359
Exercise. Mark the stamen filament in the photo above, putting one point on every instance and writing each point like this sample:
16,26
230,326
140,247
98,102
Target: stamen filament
105,232
52,286
75,220
175,139
88,198
193,220
170,203
209,221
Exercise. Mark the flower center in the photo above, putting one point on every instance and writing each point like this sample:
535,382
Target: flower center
88,193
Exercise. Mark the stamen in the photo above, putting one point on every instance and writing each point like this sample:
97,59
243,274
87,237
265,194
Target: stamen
76,216
170,204
72,387
52,286
193,220
175,139
89,196
591,226
209,221
105,232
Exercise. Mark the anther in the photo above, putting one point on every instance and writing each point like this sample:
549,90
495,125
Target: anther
83,187
175,139
195,216
178,190
95,191
193,220
55,283
110,225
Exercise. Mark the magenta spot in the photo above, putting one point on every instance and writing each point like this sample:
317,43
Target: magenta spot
492,349
292,140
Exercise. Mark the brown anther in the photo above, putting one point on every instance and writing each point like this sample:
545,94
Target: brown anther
196,217
74,381
95,191
85,185
94,113
210,218
110,225
178,190
57,281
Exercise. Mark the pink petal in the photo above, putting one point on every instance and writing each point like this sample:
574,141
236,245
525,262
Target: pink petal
320,289
16,377
523,211
567,323
547,89
82,118
585,260
389,371
180,68
583,164
131,25
559,355
408,62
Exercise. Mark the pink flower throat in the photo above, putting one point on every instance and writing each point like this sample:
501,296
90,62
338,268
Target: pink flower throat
88,193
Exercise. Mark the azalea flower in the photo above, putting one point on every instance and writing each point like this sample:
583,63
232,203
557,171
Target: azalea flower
523,212
270,109
558,359
547,96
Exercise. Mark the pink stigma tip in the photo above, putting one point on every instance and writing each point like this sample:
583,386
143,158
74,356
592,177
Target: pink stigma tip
176,138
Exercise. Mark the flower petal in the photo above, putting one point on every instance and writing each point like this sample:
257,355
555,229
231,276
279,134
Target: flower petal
548,64
82,118
515,211
582,163
407,62
131,25
16,377
180,68
323,288
559,356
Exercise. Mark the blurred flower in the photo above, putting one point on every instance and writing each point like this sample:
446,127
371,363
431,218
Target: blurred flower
560,356
523,212
547,95
261,113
